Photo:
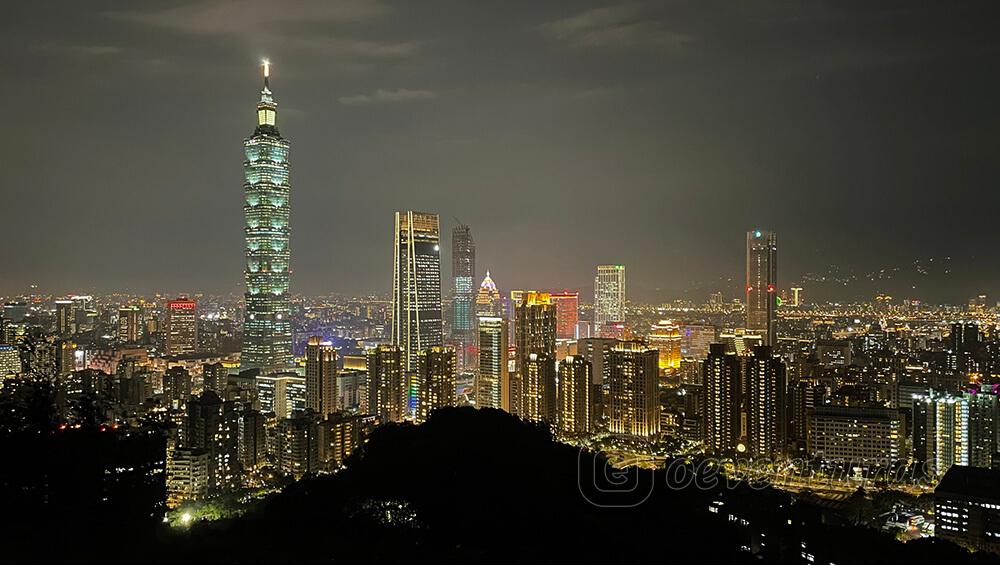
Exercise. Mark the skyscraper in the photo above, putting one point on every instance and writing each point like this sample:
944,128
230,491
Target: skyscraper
65,322
437,380
493,382
766,392
762,284
634,395
176,386
129,329
282,394
721,380
665,337
609,296
321,376
596,351
182,326
65,357
84,315
984,425
567,314
267,332
488,302
573,395
10,360
463,272
533,388
957,429
385,382
416,285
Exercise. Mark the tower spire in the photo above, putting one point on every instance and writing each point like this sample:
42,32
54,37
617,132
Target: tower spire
267,109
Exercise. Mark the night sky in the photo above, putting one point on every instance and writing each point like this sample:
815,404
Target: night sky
566,134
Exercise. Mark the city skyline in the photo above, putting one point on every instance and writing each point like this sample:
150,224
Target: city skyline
837,402
379,122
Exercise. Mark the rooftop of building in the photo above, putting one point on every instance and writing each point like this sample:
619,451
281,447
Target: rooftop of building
973,482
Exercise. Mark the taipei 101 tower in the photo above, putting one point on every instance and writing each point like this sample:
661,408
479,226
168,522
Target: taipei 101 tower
267,332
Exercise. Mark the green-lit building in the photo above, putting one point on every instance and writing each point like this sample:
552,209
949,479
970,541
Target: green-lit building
267,334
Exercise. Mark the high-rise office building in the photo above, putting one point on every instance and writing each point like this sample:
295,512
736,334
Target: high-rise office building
436,369
463,272
665,337
856,436
609,297
65,357
488,301
267,331
129,324
696,340
762,284
385,382
493,380
533,386
964,342
721,382
281,394
182,326
84,315
65,318
765,406
321,376
633,393
596,351
416,285
567,314
573,396
10,360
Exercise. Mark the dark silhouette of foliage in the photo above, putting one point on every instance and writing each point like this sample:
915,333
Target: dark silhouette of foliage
475,486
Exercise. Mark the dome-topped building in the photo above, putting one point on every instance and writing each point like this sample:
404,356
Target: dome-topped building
488,302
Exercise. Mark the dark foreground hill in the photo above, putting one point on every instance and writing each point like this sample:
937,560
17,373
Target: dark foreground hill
482,486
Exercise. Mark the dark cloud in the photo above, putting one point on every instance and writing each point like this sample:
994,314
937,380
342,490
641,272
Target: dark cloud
77,50
616,27
565,134
385,96
248,18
